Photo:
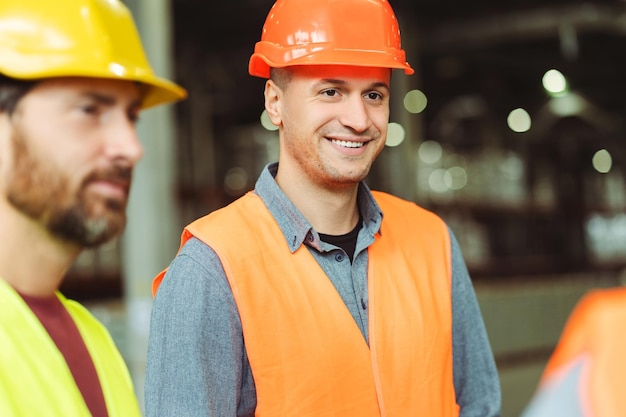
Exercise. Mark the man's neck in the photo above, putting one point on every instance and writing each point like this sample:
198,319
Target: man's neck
31,260
332,212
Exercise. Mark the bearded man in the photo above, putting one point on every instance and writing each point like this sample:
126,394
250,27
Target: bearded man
71,89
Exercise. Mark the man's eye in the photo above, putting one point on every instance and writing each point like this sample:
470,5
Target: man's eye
330,93
133,116
90,109
374,96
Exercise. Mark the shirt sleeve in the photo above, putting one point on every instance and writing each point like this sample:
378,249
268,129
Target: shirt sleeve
196,363
476,380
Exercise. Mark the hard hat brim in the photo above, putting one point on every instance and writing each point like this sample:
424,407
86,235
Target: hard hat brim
265,58
161,91
158,90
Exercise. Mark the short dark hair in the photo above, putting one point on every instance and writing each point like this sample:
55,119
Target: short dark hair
280,76
11,91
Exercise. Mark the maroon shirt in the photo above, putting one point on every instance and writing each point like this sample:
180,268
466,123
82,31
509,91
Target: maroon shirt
63,331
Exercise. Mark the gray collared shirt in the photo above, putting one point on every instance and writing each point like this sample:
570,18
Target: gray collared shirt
197,363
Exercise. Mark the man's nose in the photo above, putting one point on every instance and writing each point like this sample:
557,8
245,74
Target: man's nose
123,141
355,114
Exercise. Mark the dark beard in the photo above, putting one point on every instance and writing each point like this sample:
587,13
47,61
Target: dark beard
40,191
72,225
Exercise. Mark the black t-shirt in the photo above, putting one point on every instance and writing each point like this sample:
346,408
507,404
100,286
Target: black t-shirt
346,242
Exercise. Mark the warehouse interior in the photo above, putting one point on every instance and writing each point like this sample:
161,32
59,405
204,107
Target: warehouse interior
539,210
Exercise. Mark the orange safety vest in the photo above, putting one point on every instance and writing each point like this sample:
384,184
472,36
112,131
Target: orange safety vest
595,336
307,355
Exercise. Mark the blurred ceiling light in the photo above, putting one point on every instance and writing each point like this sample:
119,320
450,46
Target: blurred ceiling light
395,134
519,120
415,101
235,181
437,182
512,166
554,82
602,161
455,178
430,151
266,122
570,105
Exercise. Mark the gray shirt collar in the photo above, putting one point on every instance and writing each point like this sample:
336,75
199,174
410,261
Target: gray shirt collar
296,229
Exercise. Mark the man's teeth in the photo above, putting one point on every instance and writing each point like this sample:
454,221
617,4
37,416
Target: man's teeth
347,144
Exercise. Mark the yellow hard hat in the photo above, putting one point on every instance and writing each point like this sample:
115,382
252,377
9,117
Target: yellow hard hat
329,32
85,38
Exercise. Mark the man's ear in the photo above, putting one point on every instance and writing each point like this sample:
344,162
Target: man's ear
273,95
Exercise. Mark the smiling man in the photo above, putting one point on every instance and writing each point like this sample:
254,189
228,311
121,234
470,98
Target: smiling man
313,295
71,89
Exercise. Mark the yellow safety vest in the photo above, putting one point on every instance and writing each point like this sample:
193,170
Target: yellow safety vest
307,355
34,377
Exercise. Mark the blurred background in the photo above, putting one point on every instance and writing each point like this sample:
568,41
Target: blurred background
511,130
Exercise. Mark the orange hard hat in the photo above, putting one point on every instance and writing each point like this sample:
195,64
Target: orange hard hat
329,32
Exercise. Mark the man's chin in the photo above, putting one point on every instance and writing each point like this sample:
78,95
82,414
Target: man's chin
102,230
89,232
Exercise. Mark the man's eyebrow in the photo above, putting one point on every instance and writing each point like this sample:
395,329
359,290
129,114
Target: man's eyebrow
380,84
107,99
333,81
99,97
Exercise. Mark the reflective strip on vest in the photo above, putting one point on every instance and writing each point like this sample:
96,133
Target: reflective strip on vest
34,377
307,355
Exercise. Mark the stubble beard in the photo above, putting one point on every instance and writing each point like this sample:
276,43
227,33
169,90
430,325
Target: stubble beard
346,179
43,193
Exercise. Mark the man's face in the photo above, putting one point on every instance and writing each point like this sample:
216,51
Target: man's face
333,121
73,146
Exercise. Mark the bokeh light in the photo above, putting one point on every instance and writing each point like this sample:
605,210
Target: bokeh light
266,122
602,161
430,151
554,82
519,120
415,101
395,134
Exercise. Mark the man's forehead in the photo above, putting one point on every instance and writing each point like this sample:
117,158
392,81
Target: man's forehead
84,86
340,72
